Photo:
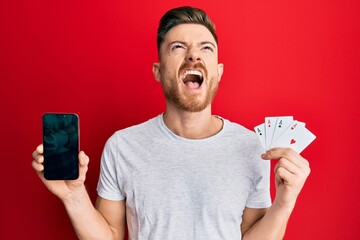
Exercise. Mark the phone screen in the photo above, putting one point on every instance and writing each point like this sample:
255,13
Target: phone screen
61,146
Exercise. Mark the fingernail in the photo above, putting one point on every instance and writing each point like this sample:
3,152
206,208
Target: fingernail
263,155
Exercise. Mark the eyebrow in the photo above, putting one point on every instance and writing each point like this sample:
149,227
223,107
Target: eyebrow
185,43
207,42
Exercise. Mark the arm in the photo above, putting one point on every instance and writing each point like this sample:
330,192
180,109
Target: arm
291,172
114,213
250,217
105,222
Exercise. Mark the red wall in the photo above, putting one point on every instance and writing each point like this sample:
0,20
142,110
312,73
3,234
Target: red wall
94,58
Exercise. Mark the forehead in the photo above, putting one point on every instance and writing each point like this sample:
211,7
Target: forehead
189,32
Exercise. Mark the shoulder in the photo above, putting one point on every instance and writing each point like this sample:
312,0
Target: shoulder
136,132
242,138
238,130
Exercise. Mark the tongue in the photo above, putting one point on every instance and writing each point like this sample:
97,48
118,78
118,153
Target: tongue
192,85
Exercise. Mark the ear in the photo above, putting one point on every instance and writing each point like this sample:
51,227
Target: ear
156,71
220,71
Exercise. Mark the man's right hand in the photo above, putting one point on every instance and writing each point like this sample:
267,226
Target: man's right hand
63,189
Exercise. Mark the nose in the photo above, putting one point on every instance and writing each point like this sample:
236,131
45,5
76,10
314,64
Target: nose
193,55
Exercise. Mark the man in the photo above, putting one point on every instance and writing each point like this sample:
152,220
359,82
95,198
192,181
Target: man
184,174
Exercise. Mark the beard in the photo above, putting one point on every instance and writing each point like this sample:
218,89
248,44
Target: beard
187,101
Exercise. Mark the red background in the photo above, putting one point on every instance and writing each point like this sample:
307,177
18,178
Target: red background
94,58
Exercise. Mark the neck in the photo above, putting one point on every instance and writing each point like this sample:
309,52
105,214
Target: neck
192,125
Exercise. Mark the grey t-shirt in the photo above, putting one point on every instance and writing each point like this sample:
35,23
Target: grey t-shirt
177,188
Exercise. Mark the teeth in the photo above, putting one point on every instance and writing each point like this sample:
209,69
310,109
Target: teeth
193,72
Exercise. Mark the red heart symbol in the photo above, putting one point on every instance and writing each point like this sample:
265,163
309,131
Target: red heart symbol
292,141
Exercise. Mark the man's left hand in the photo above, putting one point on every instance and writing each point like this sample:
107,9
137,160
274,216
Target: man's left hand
291,172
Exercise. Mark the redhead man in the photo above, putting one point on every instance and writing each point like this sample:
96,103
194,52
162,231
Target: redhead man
186,173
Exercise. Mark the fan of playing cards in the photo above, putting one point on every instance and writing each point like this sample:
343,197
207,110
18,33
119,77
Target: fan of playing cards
284,132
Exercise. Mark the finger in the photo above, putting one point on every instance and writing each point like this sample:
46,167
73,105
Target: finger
83,159
288,153
277,153
301,163
39,159
291,173
288,165
39,150
34,154
83,165
284,175
37,166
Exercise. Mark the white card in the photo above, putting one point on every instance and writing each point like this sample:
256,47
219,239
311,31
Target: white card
269,130
282,123
296,136
260,133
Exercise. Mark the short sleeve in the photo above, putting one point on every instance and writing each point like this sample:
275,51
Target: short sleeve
260,196
108,184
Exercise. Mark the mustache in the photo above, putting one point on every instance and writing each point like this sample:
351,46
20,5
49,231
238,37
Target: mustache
189,65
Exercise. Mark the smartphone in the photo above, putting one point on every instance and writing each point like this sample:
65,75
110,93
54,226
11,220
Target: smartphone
61,146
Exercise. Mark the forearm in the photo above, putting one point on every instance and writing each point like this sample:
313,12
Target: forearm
291,172
272,225
88,223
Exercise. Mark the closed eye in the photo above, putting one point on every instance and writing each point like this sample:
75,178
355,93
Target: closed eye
208,48
178,46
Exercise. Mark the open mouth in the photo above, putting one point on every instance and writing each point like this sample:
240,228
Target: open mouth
193,78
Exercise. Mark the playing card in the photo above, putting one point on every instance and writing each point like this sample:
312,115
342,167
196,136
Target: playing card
296,136
269,130
260,132
282,123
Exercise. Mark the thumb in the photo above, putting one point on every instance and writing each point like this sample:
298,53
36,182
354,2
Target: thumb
83,159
